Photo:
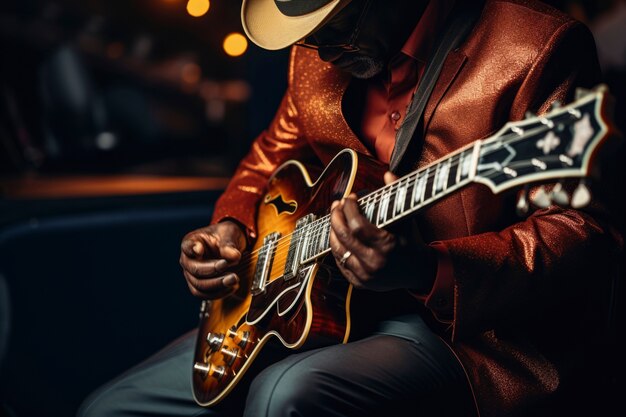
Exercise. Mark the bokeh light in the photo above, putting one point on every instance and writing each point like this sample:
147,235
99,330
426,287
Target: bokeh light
235,44
198,8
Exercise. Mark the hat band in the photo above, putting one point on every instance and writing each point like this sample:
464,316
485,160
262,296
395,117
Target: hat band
293,8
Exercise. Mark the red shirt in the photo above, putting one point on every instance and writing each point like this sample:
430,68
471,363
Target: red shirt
388,96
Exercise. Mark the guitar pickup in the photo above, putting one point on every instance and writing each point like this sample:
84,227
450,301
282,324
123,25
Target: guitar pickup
264,263
298,238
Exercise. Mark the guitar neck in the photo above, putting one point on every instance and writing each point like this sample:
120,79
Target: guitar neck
401,198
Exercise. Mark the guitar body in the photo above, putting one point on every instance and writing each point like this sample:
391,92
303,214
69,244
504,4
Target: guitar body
312,307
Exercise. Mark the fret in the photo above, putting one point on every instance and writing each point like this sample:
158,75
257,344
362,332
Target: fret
454,170
420,187
316,239
430,187
370,207
383,207
324,236
400,199
465,165
440,182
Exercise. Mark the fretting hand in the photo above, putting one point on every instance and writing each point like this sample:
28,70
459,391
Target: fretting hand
376,259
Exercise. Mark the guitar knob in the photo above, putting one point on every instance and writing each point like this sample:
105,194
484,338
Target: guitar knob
541,198
215,340
559,195
582,196
206,369
229,355
240,338
522,205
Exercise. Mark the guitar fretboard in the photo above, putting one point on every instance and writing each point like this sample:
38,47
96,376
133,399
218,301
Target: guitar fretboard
400,198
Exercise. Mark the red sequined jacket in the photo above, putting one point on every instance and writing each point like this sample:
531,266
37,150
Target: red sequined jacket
515,280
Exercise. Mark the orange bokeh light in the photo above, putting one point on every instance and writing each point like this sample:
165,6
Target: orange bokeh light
197,8
235,44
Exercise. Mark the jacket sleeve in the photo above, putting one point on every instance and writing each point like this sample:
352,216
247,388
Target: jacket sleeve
506,276
282,141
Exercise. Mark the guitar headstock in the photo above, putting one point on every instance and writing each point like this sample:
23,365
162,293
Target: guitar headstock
562,143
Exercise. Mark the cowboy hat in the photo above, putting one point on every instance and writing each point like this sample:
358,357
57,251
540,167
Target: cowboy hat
276,24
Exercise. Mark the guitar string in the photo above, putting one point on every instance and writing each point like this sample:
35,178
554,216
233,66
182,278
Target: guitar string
378,195
383,192
375,197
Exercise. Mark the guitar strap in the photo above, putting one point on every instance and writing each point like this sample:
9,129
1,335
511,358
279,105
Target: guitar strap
459,24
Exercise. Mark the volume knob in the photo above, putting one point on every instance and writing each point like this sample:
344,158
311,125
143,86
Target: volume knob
240,338
229,355
206,369
215,341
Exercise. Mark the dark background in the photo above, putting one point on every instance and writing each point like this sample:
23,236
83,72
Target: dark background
120,123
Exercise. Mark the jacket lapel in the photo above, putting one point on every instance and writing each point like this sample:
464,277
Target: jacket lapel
451,68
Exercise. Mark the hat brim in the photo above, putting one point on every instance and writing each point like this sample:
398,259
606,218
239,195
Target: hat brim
267,27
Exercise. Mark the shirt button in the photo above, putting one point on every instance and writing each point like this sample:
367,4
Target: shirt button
395,116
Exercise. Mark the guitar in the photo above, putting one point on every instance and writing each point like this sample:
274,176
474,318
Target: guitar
285,290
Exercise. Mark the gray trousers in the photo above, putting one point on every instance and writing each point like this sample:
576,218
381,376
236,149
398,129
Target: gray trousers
402,366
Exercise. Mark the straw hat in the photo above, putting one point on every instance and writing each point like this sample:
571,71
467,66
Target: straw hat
276,24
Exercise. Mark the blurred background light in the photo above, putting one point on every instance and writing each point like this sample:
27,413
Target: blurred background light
235,44
198,8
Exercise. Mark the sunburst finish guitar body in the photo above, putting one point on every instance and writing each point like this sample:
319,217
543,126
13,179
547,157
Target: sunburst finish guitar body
279,298
288,292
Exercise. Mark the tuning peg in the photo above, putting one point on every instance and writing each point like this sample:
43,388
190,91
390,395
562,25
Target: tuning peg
559,195
530,115
522,205
541,198
556,104
582,196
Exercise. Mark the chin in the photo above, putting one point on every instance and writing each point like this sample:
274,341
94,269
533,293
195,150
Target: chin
360,66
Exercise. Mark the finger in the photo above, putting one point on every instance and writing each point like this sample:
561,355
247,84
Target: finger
359,225
351,277
192,247
343,233
203,269
354,263
389,177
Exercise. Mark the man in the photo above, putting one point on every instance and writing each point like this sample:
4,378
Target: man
500,287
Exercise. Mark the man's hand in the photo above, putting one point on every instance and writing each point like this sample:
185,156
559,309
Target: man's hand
374,258
206,253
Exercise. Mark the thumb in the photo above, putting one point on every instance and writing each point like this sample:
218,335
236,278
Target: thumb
389,177
193,248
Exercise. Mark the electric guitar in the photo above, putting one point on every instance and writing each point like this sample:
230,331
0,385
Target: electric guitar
286,293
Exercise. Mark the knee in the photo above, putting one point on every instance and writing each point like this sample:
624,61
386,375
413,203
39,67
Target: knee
286,394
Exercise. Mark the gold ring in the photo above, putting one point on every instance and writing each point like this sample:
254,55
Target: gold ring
344,258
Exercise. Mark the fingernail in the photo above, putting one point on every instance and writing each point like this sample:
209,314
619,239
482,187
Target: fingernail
335,203
197,248
230,281
221,264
